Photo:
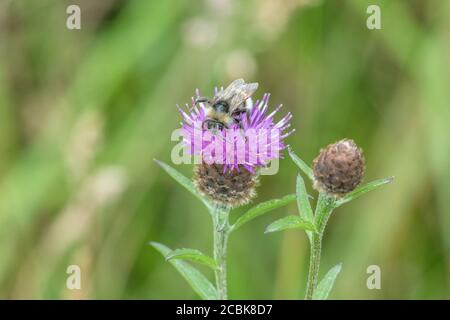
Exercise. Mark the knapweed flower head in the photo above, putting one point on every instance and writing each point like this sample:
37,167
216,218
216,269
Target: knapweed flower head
232,188
251,141
339,168
233,137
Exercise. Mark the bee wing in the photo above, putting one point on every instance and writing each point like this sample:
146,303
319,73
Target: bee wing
242,94
237,93
227,94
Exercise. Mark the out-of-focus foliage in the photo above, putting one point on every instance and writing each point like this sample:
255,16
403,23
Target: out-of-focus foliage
84,112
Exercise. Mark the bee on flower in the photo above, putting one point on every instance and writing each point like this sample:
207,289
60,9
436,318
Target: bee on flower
234,137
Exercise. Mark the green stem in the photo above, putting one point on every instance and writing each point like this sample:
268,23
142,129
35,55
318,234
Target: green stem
314,263
325,206
221,232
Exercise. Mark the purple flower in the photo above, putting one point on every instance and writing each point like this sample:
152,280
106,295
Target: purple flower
252,141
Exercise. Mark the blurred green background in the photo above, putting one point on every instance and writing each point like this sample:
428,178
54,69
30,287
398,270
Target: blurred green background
84,112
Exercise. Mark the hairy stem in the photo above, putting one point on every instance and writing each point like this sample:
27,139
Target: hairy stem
221,232
314,263
325,206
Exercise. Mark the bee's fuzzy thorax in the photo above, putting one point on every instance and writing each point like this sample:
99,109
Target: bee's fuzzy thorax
221,117
232,188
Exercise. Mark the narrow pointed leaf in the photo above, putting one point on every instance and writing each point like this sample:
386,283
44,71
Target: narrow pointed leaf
290,222
193,255
184,181
261,209
362,190
302,165
199,283
324,288
304,207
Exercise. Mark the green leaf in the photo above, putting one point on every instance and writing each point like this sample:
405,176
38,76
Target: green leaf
290,222
324,288
301,164
202,286
261,209
304,207
184,181
193,255
362,190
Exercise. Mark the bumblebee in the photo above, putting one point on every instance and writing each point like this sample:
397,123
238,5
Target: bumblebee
227,105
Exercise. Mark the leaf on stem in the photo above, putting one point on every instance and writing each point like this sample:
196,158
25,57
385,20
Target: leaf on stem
184,181
301,164
324,288
362,190
199,283
261,209
193,255
304,207
290,222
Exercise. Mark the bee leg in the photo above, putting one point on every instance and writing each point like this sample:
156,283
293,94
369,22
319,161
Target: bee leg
241,130
201,100
242,133
213,125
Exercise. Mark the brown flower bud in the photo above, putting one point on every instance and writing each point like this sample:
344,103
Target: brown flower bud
231,188
339,168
